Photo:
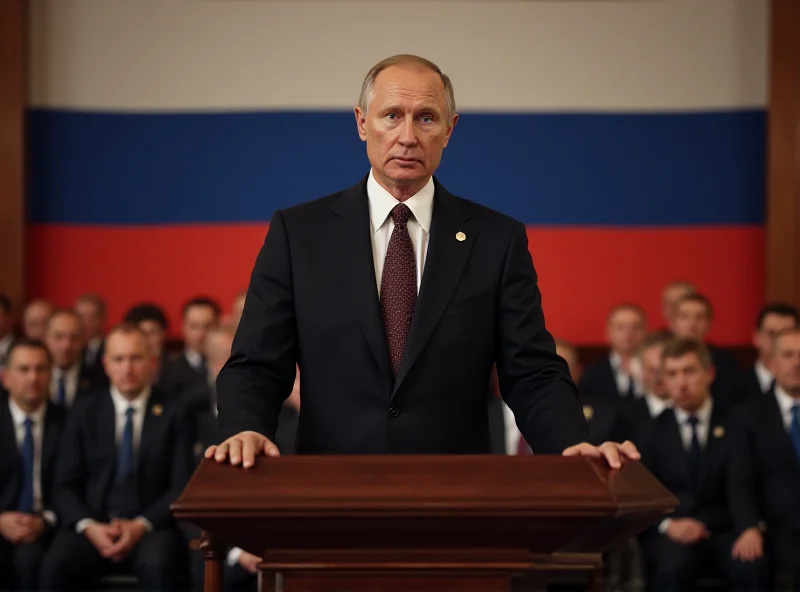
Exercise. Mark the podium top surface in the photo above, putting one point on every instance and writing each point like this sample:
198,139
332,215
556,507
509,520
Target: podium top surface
492,485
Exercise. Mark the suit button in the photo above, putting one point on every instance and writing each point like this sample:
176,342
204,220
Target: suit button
394,412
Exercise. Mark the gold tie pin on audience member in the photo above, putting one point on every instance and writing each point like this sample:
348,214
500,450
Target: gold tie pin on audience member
157,410
588,412
461,237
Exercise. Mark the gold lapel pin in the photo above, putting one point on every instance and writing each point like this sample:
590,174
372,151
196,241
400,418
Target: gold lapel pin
719,431
588,412
461,237
157,410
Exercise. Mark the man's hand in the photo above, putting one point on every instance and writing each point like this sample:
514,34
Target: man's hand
686,531
103,537
16,527
243,448
749,546
615,454
248,561
35,525
130,533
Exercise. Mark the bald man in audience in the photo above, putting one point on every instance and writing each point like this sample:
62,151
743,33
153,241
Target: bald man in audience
618,375
125,457
692,319
91,308
31,426
769,462
35,317
71,379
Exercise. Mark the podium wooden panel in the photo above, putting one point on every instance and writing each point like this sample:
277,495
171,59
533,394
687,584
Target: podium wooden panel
391,523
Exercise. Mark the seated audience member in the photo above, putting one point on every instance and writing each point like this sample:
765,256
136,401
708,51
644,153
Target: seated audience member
31,426
91,308
71,380
689,449
692,318
670,296
35,316
6,329
617,375
656,398
758,379
768,454
152,321
189,368
124,458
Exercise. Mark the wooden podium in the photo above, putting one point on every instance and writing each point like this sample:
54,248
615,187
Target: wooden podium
339,523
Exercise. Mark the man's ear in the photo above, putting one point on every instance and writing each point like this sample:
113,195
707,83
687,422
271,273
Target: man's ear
361,120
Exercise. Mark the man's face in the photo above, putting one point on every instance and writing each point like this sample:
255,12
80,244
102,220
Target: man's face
406,126
786,363
64,339
196,322
128,362
92,318
670,298
35,317
625,331
652,375
687,381
770,327
27,376
155,335
691,321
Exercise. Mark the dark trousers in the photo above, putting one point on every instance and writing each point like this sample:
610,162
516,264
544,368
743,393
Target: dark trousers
783,551
20,564
677,567
158,561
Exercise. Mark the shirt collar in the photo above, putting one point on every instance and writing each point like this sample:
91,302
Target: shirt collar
785,401
195,359
70,373
764,376
18,415
381,203
703,414
121,403
656,405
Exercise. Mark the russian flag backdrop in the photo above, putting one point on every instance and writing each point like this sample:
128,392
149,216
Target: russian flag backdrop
628,135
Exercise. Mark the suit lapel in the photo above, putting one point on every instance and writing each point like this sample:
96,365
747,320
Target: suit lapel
106,421
444,264
715,443
774,423
49,439
358,269
674,441
153,416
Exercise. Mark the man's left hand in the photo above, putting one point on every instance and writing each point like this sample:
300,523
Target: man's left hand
615,454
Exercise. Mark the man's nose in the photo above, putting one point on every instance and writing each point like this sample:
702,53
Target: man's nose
408,136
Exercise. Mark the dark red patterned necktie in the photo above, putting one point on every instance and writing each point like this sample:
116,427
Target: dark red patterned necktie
398,286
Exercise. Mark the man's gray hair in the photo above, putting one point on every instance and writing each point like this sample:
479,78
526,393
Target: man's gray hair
400,60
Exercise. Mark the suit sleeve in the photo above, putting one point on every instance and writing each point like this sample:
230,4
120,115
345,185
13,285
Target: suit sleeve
534,380
260,372
69,487
741,477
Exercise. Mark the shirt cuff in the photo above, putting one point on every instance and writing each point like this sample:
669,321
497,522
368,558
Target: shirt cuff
49,518
147,524
233,556
662,528
84,524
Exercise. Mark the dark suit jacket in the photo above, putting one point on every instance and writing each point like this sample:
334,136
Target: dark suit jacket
87,459
608,419
11,472
178,376
742,387
664,455
598,380
313,300
767,464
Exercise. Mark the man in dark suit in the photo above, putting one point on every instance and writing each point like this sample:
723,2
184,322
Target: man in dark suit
688,448
30,428
655,399
152,321
758,379
124,459
91,308
71,379
396,298
768,456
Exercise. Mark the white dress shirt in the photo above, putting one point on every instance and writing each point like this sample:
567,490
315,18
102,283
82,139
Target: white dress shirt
513,434
91,350
623,379
785,404
121,405
195,359
764,377
655,405
704,419
381,203
18,417
72,377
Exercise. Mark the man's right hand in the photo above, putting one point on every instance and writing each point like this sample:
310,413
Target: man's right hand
686,530
14,526
243,449
103,537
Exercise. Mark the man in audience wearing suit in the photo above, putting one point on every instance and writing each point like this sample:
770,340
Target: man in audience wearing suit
768,455
91,308
71,379
617,376
656,398
670,296
689,449
125,457
758,379
189,368
6,329
692,318
30,427
35,316
152,321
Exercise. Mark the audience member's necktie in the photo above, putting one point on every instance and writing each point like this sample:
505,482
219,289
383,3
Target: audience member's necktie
695,451
61,393
398,286
26,494
631,388
794,429
125,451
